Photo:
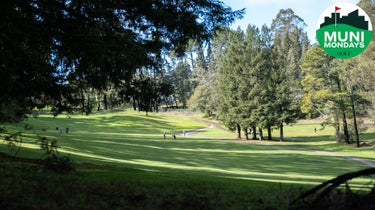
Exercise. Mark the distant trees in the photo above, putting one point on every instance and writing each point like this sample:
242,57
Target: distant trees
182,75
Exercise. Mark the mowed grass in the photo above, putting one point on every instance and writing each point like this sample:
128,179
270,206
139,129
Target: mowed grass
302,135
124,162
133,140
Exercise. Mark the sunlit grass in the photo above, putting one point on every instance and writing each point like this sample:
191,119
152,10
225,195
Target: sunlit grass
132,140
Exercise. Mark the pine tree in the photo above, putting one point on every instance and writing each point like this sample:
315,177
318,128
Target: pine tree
264,110
286,54
230,76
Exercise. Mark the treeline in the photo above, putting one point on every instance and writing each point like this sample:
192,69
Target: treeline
266,78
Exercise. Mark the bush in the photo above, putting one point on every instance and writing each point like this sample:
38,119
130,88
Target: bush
52,159
59,163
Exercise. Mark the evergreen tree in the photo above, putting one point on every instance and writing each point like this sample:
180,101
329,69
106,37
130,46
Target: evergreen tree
265,98
287,52
230,76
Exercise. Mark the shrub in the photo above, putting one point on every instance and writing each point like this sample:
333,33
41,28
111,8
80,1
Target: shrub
52,159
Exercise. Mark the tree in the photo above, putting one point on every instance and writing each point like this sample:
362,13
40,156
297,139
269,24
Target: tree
182,83
230,74
48,45
206,94
240,79
330,92
321,94
264,113
363,74
288,47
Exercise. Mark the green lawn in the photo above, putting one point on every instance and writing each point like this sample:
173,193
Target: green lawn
133,140
128,148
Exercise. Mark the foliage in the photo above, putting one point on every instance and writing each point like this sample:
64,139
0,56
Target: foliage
182,83
259,73
289,44
13,140
329,92
52,159
204,100
205,76
59,163
52,52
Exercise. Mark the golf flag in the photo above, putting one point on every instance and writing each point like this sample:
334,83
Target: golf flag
336,9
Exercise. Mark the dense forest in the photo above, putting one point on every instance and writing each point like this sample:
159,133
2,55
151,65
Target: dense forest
78,56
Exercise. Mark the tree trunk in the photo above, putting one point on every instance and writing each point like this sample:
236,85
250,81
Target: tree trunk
156,107
88,109
345,125
281,131
254,133
344,122
269,131
260,134
353,110
175,100
238,131
111,102
98,101
105,102
83,101
134,104
355,122
337,127
246,134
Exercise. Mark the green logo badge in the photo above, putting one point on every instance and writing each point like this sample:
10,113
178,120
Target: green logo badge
344,30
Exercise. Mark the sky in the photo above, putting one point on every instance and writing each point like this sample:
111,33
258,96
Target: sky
260,12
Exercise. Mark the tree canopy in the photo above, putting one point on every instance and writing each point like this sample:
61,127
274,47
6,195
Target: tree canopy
51,49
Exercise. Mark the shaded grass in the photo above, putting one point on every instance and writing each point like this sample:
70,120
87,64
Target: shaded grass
126,163
133,140
30,187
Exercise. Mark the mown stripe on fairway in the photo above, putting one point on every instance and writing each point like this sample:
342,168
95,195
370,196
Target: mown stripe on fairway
132,140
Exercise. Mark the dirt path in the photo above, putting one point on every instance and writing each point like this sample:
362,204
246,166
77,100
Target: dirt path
210,125
332,154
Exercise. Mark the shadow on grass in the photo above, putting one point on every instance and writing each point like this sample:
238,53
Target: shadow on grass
135,141
212,157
